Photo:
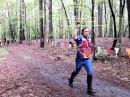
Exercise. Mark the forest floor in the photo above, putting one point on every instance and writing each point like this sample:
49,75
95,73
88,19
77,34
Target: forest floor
31,71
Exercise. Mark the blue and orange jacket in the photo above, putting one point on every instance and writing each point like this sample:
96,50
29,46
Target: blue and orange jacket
84,47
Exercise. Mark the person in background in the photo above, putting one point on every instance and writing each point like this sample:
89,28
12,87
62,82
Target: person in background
83,58
77,31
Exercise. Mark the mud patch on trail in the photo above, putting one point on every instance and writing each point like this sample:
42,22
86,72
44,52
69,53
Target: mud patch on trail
3,52
28,58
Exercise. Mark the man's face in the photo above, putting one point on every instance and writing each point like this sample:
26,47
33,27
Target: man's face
86,32
78,26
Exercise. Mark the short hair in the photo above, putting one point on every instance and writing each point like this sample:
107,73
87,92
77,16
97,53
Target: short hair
77,23
84,29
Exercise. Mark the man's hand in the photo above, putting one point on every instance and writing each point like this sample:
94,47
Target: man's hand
94,49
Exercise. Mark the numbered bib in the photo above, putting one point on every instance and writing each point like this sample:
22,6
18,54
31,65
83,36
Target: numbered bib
87,54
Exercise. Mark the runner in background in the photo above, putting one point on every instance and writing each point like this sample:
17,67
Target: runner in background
77,31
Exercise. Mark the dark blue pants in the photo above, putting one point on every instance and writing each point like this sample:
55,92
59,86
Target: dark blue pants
86,63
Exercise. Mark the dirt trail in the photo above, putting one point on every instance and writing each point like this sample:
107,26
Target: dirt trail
30,73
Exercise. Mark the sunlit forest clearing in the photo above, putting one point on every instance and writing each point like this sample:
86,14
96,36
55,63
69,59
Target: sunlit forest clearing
40,41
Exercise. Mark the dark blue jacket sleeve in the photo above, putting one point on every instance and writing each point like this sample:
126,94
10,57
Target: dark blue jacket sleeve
78,41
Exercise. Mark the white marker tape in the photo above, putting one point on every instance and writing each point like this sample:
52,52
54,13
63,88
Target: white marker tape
99,50
116,50
52,43
62,45
69,45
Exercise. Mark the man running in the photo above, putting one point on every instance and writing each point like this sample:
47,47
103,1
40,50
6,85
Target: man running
83,58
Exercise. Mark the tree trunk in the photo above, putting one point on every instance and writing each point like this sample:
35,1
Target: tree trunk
36,26
115,30
11,31
111,27
62,24
26,31
67,19
128,8
93,34
92,20
22,34
81,10
45,23
59,17
123,24
121,11
76,12
50,20
106,19
111,23
41,23
125,32
100,18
